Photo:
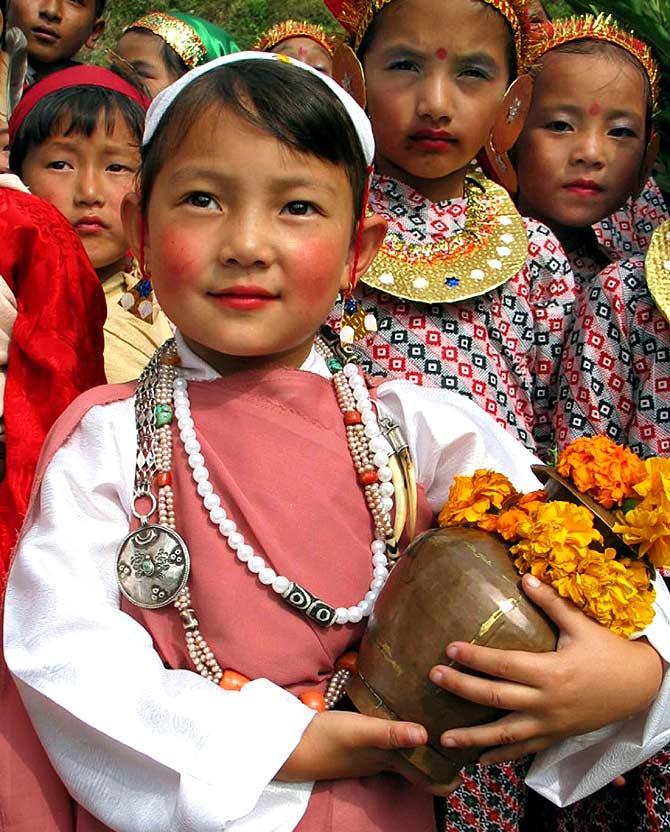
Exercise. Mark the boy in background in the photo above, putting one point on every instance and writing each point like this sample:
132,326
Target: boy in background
56,30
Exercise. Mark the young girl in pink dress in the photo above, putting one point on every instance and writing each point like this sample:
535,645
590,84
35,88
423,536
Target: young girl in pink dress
182,697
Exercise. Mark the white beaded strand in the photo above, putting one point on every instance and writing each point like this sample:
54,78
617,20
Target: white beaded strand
352,395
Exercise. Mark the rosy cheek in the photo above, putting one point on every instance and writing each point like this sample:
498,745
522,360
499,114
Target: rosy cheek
317,258
178,258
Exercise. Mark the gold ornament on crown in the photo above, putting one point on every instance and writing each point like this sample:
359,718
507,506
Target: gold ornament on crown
602,27
177,34
295,29
356,16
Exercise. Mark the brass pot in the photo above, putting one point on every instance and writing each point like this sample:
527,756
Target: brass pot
456,584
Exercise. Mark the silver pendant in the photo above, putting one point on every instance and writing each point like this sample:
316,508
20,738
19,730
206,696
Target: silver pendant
152,566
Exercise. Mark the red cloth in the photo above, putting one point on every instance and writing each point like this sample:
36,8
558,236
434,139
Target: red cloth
56,349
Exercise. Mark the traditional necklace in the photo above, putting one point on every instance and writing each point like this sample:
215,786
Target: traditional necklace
487,252
153,562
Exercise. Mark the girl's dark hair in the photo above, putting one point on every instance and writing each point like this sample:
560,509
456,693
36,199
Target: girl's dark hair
100,7
510,46
290,104
74,110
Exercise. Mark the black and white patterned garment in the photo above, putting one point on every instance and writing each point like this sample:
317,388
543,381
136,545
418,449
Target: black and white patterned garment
501,349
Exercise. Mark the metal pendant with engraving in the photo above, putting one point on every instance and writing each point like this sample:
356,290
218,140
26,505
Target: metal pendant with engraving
152,566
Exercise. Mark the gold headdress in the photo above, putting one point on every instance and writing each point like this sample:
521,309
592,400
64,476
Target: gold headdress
295,29
601,27
356,15
176,33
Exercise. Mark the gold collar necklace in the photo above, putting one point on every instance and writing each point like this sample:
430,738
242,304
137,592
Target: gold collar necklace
487,252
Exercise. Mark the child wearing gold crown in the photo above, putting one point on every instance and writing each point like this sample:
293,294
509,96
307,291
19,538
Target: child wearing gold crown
587,145
589,141
299,39
468,295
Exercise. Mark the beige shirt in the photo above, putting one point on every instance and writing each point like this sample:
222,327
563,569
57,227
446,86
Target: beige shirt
129,341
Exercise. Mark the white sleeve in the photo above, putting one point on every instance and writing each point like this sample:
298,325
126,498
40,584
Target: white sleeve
142,747
579,766
449,435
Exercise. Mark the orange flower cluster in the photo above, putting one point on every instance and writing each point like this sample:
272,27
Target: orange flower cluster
559,545
601,468
647,525
470,498
556,541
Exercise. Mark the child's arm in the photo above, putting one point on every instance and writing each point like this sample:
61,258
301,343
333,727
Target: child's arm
143,747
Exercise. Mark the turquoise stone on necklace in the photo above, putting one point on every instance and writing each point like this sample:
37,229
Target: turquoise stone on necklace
333,365
164,415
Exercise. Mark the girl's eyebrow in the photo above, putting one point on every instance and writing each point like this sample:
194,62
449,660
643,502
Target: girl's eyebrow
622,113
482,59
279,183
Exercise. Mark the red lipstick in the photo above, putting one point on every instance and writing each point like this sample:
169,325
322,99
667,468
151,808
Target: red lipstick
435,141
244,298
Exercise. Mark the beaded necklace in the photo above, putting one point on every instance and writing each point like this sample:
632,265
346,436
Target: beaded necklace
153,562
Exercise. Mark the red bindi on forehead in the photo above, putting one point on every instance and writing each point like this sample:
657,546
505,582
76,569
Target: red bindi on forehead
441,53
595,109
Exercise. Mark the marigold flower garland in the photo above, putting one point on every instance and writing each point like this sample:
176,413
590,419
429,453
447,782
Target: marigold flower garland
557,541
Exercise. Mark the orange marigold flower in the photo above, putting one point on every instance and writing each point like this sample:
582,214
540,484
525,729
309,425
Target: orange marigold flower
525,500
507,523
648,524
470,498
616,593
488,523
556,532
601,468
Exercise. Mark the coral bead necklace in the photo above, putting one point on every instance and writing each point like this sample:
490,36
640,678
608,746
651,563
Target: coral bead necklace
153,562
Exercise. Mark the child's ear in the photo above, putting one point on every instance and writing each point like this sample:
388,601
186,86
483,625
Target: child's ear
96,32
132,219
369,237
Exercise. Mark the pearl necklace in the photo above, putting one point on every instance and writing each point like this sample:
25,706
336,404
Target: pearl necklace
370,454
153,562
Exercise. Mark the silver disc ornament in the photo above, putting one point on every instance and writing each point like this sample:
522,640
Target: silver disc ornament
152,566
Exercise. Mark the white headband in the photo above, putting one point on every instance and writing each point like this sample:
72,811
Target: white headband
356,113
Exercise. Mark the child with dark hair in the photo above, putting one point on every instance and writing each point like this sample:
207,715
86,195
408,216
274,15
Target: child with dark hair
162,46
74,140
468,296
56,30
191,691
586,148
